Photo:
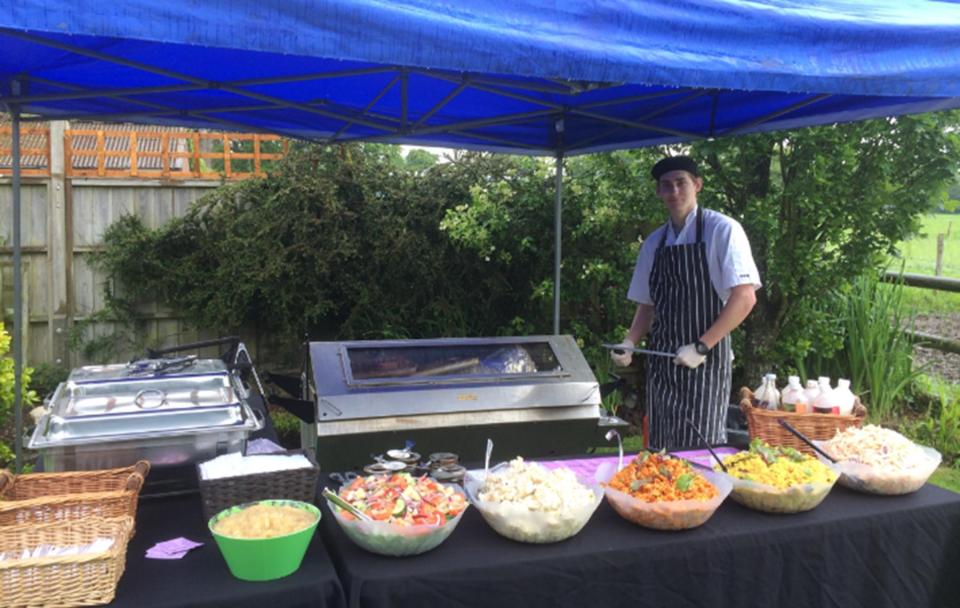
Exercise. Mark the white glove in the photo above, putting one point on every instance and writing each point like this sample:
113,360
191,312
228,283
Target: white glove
622,358
688,355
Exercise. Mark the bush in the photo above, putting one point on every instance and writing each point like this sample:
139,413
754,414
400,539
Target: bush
28,397
46,377
876,355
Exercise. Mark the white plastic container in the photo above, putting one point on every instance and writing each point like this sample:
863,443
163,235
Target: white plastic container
811,392
827,401
793,397
845,397
767,396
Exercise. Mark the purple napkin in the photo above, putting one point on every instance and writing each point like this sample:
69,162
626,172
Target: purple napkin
174,548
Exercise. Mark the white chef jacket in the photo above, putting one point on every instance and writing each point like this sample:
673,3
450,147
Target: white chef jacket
729,259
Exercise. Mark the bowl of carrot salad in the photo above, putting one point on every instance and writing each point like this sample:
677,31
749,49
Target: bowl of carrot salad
662,492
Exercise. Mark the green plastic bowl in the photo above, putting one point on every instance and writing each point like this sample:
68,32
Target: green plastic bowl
265,559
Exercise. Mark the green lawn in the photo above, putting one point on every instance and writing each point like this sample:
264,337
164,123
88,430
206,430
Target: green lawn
919,255
920,252
947,477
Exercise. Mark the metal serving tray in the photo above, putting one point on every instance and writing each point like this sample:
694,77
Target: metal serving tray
105,416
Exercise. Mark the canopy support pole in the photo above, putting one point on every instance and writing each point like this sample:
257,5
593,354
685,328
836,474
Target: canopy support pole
17,284
557,214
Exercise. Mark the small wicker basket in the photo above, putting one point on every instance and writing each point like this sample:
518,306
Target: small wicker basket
55,497
86,579
764,423
294,484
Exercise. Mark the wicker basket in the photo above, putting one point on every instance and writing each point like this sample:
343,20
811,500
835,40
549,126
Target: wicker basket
54,497
765,423
72,580
294,484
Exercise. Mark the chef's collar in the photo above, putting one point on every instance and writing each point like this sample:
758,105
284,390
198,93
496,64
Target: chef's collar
691,217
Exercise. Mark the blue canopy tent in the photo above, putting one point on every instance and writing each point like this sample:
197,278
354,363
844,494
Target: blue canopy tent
525,76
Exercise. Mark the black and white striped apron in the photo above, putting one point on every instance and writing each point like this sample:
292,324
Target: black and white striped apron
686,306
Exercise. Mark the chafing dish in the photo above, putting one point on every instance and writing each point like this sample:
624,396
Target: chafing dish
172,412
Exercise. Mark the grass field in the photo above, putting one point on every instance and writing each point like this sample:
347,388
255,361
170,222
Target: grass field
919,256
947,478
920,252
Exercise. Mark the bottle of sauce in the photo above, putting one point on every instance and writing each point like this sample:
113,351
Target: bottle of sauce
845,397
826,402
767,396
793,397
812,391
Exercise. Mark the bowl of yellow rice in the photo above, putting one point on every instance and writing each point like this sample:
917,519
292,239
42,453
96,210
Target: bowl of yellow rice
778,479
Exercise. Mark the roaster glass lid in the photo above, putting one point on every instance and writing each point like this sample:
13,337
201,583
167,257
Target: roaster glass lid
415,363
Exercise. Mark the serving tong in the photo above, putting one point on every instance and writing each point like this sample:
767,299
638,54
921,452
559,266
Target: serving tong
805,439
346,506
706,443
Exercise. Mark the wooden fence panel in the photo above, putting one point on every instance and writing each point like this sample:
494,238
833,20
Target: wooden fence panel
66,215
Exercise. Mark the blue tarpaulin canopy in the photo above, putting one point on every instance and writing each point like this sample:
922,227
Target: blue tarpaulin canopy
524,76
488,74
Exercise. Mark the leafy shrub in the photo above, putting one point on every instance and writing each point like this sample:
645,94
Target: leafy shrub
940,428
876,355
7,376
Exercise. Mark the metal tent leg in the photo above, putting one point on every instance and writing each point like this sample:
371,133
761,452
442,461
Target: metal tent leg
557,214
17,288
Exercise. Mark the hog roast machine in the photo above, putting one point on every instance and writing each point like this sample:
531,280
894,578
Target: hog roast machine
172,411
533,395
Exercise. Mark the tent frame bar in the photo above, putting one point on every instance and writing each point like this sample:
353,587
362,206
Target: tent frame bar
222,86
775,114
18,332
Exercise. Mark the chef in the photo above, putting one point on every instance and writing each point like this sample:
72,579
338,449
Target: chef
694,283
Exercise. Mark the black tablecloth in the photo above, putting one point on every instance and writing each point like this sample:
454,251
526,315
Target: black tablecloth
853,550
202,578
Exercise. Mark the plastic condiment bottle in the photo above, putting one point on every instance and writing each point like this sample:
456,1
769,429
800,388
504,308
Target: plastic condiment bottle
769,398
826,401
793,397
811,392
845,397
759,391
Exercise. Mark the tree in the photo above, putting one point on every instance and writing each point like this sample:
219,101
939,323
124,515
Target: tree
821,206
419,161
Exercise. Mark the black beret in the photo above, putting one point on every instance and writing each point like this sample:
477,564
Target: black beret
674,163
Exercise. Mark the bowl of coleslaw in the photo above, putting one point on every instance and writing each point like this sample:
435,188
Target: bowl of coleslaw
876,460
409,515
527,502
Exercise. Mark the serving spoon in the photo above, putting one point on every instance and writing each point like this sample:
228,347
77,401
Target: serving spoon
609,437
486,460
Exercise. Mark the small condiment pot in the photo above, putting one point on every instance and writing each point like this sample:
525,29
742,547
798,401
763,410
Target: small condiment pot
409,458
442,459
453,473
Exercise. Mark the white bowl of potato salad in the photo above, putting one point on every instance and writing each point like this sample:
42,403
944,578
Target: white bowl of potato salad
527,502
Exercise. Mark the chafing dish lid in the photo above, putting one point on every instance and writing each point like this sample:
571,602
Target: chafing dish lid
129,389
137,371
